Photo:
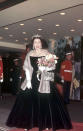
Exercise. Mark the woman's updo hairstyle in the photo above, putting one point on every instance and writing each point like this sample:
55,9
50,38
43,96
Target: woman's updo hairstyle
43,41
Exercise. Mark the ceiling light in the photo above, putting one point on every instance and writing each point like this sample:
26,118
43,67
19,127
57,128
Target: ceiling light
21,24
6,28
1,37
62,13
57,25
10,35
72,30
54,33
16,40
26,38
39,19
24,33
40,29
79,20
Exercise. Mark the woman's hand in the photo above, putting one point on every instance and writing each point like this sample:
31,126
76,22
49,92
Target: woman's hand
29,85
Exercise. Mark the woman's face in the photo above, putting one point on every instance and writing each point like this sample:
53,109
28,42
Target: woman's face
69,57
37,44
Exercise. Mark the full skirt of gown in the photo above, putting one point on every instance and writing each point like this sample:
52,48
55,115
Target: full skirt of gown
42,110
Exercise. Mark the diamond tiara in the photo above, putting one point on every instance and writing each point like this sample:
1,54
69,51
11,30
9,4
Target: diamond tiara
36,36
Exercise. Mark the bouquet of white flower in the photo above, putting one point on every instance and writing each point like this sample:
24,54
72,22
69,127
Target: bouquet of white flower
47,62
45,65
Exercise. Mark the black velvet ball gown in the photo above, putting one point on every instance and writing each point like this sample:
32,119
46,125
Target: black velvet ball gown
42,110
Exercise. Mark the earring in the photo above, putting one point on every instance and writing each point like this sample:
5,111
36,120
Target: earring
41,47
33,47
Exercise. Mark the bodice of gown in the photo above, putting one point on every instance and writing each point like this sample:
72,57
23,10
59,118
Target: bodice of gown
34,64
34,80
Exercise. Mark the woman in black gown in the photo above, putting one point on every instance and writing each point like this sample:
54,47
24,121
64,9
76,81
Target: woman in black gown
39,103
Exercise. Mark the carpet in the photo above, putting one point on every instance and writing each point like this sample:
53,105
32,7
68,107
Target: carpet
76,127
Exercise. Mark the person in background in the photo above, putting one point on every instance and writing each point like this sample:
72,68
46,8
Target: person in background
15,77
1,75
66,75
58,83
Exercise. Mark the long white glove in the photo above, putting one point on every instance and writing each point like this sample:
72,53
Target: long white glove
29,85
28,79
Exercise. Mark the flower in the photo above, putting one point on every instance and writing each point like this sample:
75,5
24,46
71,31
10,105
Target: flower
48,60
46,65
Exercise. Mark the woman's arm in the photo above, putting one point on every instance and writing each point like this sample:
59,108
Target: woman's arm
28,70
